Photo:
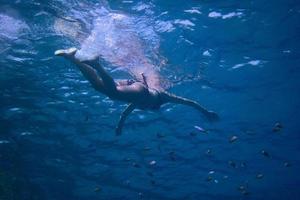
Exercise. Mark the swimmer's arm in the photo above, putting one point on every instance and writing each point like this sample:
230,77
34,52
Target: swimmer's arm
167,97
123,117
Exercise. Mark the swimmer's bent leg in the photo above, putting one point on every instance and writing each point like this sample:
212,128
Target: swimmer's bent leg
108,81
91,75
88,72
123,117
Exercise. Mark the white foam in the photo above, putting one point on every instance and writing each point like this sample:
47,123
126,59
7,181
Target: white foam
120,40
254,62
164,26
141,7
185,22
189,42
214,14
67,28
65,88
193,11
232,14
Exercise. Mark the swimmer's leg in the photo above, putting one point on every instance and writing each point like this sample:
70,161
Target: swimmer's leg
171,98
88,72
108,81
123,117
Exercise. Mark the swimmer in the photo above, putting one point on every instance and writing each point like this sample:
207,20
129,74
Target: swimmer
136,93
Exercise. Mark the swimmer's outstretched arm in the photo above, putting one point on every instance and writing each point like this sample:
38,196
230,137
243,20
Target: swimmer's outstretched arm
123,117
171,98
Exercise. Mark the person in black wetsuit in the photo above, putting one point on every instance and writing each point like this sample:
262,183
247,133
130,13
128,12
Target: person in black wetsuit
136,93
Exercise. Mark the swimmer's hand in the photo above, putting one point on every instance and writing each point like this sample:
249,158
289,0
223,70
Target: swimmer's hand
124,115
212,116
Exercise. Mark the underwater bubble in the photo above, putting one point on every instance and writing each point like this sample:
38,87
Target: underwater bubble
11,28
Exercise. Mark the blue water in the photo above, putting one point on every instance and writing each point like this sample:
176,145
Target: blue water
238,58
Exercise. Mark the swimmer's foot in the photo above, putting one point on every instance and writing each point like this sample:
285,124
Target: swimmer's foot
66,52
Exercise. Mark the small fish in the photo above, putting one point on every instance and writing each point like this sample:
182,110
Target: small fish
232,163
277,127
233,138
136,165
208,152
287,164
200,129
147,148
266,154
160,135
209,178
97,189
141,194
259,176
243,164
241,188
152,163
26,133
